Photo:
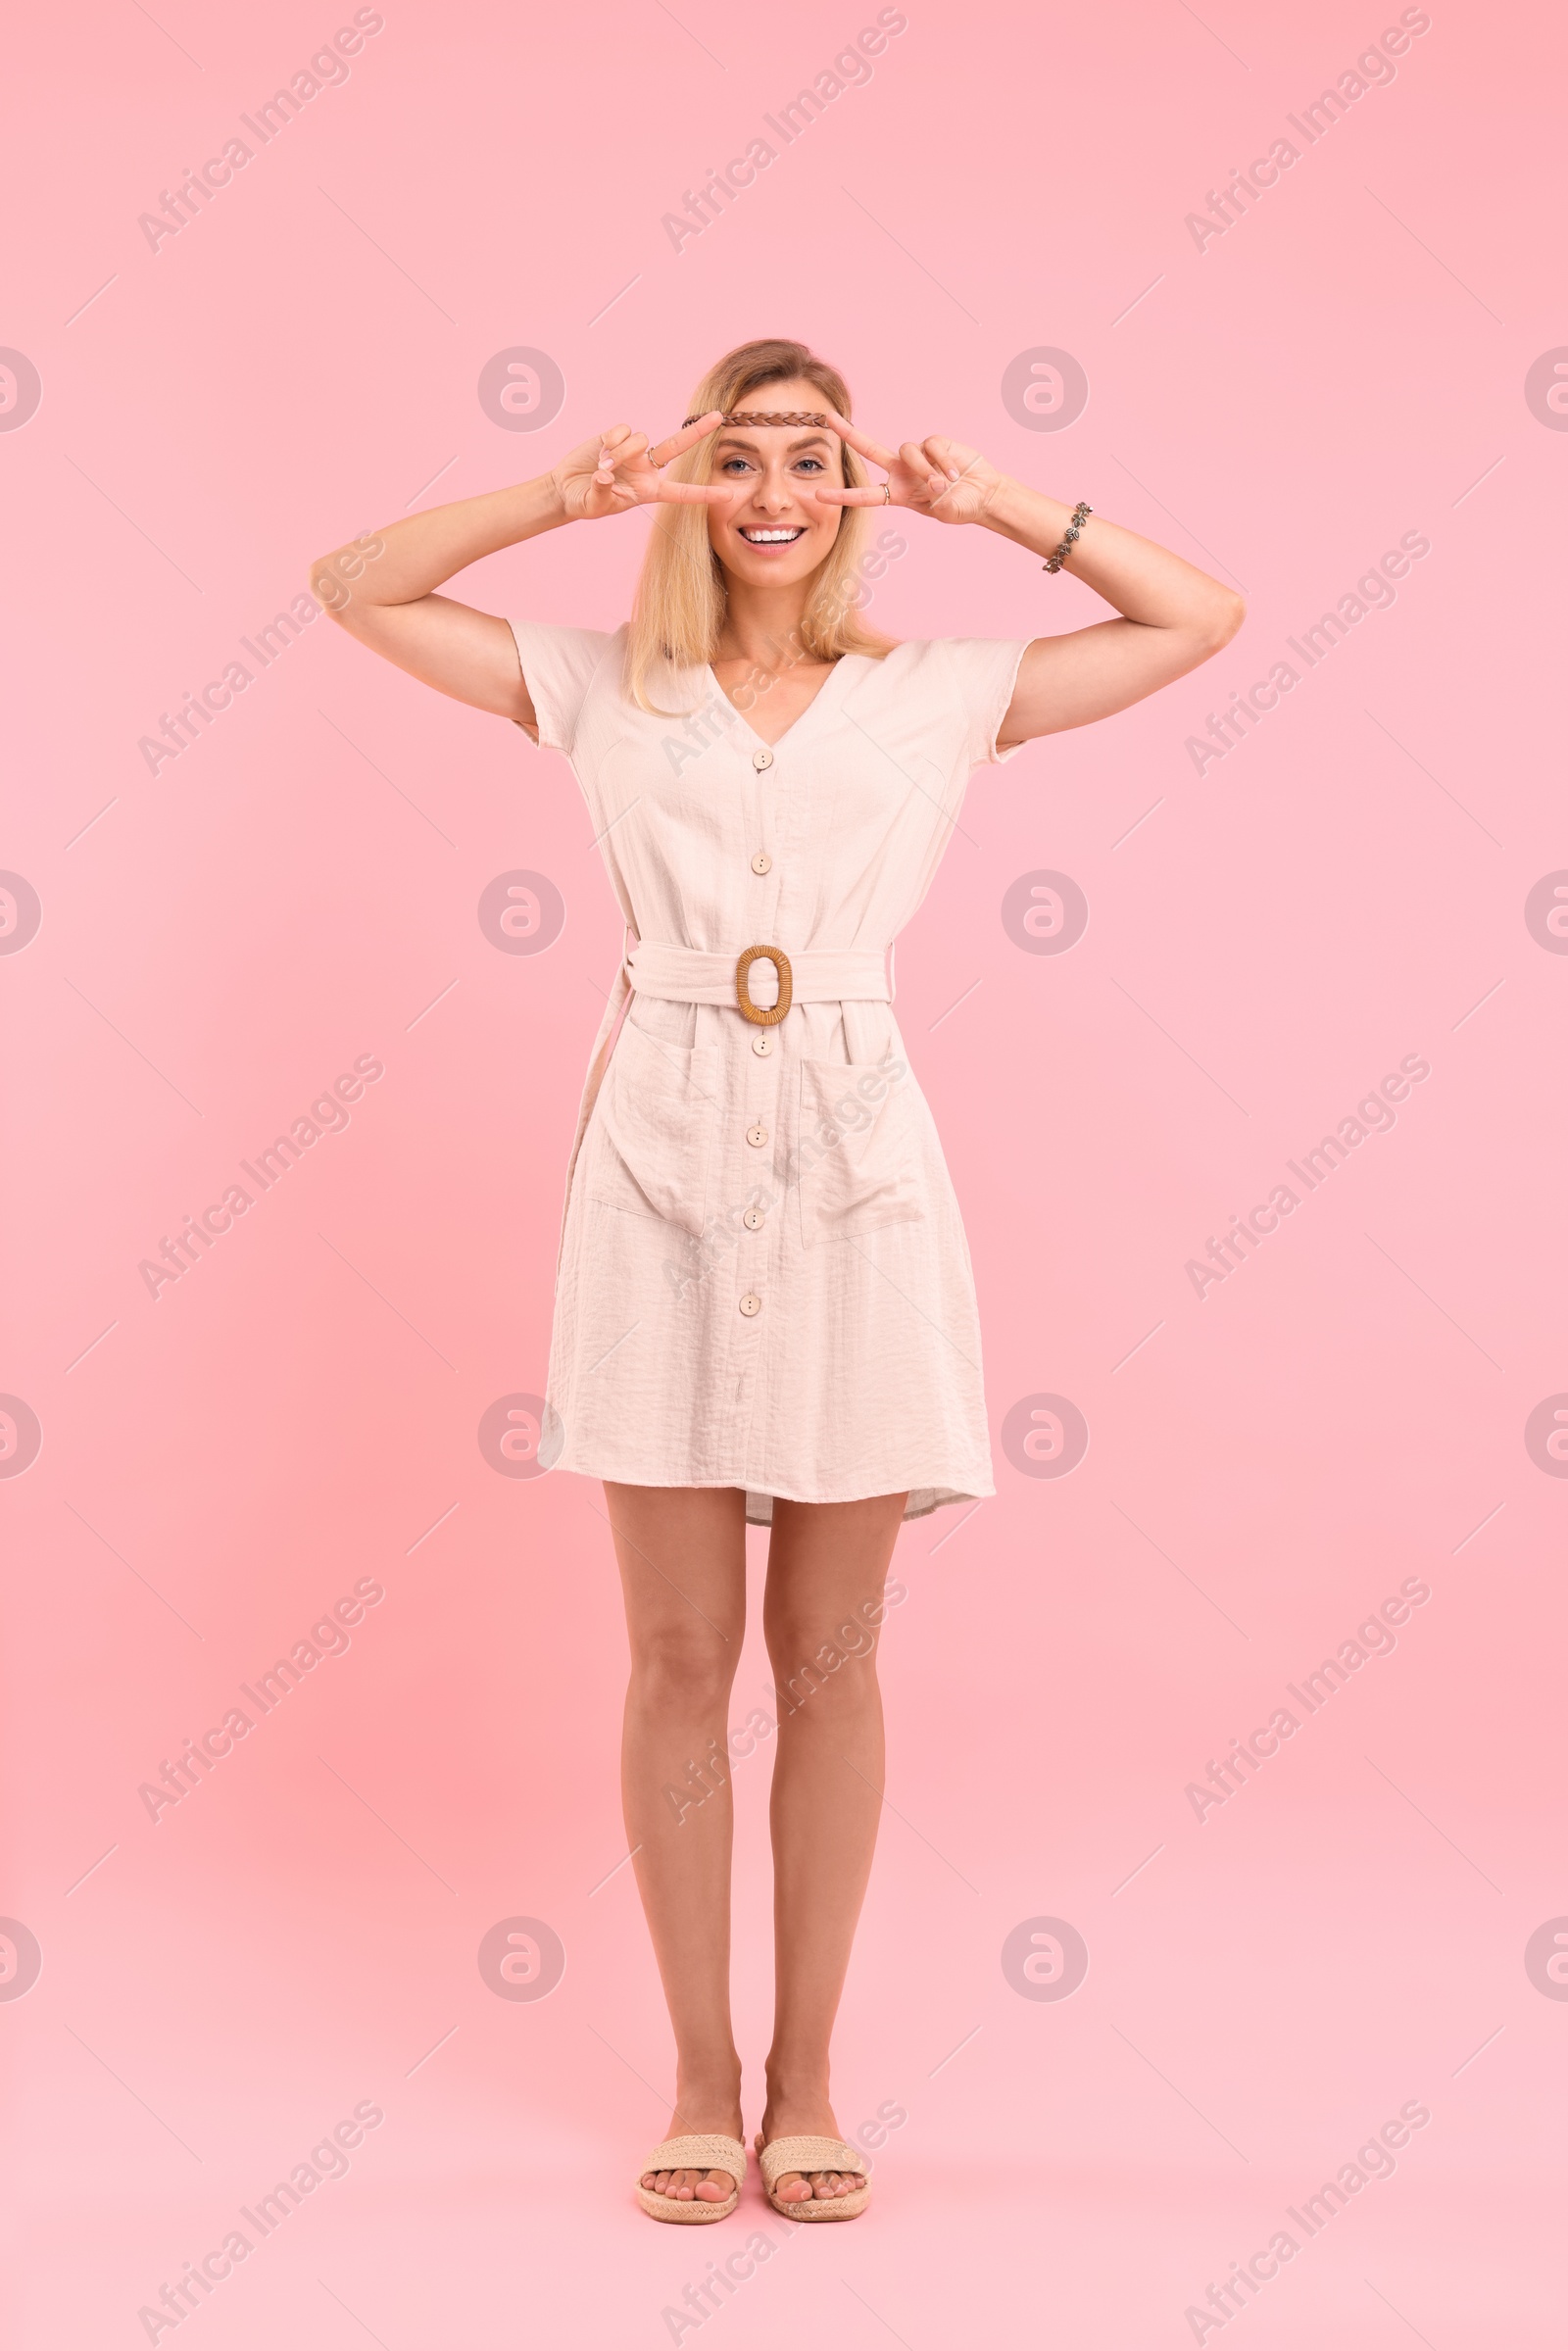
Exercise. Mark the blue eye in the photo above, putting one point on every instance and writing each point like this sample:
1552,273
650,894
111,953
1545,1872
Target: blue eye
812,460
730,462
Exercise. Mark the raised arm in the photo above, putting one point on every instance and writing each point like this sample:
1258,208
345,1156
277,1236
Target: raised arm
1173,616
381,588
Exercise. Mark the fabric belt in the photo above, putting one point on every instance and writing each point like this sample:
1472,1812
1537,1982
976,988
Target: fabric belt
820,975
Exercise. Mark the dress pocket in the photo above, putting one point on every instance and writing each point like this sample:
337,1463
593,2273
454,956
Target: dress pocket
657,1111
859,1148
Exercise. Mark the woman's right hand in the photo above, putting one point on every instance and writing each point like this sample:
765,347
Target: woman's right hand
618,470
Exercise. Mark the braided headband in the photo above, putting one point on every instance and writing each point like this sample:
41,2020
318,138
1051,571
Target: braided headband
765,416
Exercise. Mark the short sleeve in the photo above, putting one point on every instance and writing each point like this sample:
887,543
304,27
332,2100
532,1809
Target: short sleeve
985,672
558,669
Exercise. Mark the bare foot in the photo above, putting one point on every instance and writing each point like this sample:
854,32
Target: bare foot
800,2116
695,2115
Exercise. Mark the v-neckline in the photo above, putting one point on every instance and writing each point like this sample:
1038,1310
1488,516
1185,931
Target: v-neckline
795,724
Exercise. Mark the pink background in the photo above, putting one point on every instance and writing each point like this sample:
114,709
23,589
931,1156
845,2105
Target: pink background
300,1410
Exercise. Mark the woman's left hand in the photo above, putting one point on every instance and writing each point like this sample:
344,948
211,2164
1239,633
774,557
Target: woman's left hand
935,476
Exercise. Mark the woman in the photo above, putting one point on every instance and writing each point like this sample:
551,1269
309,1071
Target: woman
765,1308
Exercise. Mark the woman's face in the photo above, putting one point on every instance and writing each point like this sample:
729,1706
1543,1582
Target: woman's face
773,530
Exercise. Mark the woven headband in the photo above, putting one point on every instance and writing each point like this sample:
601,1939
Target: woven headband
742,415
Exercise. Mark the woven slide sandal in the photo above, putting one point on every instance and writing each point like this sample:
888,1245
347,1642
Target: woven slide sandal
808,2155
699,2152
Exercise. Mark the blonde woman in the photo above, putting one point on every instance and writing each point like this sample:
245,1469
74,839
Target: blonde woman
764,1309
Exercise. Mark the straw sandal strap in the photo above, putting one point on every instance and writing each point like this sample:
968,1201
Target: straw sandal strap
698,2151
807,2154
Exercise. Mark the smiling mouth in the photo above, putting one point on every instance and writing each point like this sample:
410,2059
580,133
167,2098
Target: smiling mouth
757,537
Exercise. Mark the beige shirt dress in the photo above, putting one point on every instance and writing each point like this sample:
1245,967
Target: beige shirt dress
763,1280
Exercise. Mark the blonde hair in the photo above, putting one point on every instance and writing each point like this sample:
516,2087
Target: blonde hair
679,617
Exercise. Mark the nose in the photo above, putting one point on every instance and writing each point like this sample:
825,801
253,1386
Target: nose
773,493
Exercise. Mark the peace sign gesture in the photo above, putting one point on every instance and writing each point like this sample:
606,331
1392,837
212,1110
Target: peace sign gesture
616,470
935,476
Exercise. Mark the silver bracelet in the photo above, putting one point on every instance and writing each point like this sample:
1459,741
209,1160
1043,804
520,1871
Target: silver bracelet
1080,514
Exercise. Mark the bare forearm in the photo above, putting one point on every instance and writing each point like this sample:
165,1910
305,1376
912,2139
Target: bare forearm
415,555
1172,616
383,588
1145,583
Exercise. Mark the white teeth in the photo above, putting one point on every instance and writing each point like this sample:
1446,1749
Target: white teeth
771,538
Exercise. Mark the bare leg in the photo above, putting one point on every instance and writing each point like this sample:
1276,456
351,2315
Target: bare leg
682,1554
827,1565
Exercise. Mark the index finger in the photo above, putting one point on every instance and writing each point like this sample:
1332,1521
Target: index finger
693,492
859,443
687,437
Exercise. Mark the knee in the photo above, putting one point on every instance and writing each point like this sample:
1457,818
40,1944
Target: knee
685,1668
809,1663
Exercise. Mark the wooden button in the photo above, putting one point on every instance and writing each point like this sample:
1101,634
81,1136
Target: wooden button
756,1136
760,760
763,1044
751,1303
761,862
753,1219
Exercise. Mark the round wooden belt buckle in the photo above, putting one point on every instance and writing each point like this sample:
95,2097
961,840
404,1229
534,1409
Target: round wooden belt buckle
763,1015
